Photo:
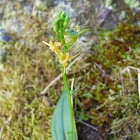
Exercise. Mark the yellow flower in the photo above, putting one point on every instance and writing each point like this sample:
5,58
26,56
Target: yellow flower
53,46
64,58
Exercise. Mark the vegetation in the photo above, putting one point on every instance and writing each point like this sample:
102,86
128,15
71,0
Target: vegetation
63,123
106,89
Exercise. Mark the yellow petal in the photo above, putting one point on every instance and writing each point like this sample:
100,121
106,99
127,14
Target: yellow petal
58,44
51,43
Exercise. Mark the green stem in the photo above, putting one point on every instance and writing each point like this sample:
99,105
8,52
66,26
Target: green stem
69,102
67,90
62,38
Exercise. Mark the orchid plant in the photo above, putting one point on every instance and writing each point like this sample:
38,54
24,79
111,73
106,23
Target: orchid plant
63,122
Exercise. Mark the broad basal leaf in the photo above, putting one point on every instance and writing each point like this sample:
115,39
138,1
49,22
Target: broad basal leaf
60,126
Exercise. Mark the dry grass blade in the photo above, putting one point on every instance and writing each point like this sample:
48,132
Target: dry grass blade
57,78
138,70
1,130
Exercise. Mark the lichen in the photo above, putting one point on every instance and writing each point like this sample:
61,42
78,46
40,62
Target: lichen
109,4
133,4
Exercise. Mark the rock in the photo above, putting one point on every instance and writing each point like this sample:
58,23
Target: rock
4,36
109,23
27,9
40,5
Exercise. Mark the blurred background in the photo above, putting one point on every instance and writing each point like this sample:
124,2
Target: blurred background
106,100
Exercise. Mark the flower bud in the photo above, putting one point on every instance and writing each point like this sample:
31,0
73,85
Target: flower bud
67,19
61,21
59,15
63,15
56,25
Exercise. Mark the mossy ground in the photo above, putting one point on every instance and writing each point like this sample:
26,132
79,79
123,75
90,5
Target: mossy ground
24,74
101,96
106,96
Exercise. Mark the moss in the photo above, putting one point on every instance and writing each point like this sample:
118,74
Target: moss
26,70
100,90
28,67
119,45
23,77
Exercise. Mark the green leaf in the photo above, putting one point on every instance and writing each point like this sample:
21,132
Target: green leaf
73,36
85,30
68,45
60,126
71,33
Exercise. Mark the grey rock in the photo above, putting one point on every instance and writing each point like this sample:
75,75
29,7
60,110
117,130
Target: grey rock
4,36
27,8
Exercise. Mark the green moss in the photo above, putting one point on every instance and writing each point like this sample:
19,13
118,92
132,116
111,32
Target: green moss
101,80
118,46
28,67
24,76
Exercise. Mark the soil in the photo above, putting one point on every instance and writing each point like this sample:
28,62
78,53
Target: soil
87,133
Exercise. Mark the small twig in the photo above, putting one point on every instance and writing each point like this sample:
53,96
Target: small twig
122,83
88,125
54,81
60,75
72,84
121,77
130,67
139,83
103,71
1,130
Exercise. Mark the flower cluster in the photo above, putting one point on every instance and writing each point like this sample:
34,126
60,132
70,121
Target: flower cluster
64,58
62,48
